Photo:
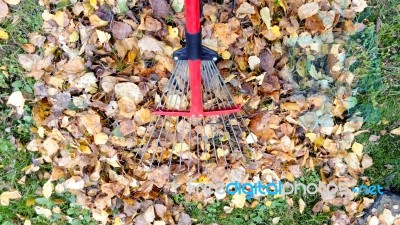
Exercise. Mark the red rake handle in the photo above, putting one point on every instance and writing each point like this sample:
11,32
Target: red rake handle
192,10
193,45
194,53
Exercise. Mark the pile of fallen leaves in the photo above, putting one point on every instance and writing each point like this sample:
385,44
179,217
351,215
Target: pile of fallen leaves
102,65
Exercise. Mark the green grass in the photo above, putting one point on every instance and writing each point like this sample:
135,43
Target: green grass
379,97
261,214
24,19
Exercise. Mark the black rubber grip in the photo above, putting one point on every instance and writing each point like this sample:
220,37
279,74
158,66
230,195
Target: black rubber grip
193,46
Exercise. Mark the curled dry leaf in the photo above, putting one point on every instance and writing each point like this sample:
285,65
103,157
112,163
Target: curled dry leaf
5,197
18,101
74,183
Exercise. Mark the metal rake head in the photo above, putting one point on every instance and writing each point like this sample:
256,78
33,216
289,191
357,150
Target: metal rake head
174,134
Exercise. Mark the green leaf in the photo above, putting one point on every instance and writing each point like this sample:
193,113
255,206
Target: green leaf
177,5
122,6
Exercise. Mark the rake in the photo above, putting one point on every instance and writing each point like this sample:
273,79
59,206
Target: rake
197,119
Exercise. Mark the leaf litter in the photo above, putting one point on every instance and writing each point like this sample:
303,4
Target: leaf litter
104,65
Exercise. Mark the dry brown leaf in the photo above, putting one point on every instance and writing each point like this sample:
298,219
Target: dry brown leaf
308,10
396,131
160,8
51,146
245,8
91,122
3,10
129,90
152,24
121,30
74,183
149,43
366,161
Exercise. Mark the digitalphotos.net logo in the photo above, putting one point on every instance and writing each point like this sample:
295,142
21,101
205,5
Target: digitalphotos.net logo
278,188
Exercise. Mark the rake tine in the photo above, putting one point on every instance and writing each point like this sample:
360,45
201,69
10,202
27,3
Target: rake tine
170,122
223,118
198,154
170,83
174,83
173,147
190,137
222,84
233,130
208,87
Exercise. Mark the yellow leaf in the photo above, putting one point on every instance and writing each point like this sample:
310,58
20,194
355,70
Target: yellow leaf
311,136
27,222
180,147
96,21
282,4
3,35
6,196
290,106
173,32
226,55
59,17
357,148
276,31
30,202
239,200
74,37
273,33
93,3
47,189
85,149
131,56
266,16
